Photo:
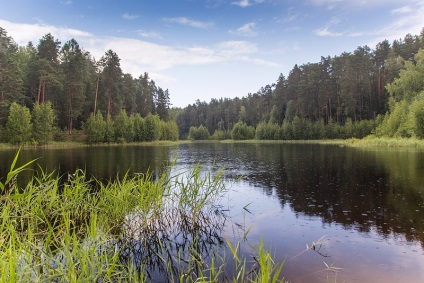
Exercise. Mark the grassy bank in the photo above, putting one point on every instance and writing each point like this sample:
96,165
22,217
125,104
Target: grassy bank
367,142
383,142
77,139
134,229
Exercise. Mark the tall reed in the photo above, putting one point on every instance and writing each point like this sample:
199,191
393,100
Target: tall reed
133,229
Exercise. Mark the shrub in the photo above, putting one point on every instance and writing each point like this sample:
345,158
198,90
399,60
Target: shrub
241,131
18,125
198,133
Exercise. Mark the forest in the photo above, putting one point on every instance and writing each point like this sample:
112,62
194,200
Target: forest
351,95
50,88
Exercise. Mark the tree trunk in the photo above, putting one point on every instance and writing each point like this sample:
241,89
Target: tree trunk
70,119
95,99
43,91
39,91
108,102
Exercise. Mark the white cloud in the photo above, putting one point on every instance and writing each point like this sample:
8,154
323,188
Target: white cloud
326,32
233,48
23,33
149,34
242,3
139,56
405,21
402,10
248,29
332,4
189,22
246,3
129,16
162,79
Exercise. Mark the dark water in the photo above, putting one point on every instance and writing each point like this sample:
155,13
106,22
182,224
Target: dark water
363,209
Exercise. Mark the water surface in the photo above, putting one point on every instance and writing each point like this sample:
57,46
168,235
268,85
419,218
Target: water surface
362,208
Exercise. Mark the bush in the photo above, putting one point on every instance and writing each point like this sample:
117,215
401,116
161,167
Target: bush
109,130
221,135
18,125
95,128
138,127
198,133
152,128
417,117
169,131
43,119
241,131
123,128
267,131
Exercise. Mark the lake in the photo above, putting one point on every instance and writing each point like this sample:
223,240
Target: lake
362,210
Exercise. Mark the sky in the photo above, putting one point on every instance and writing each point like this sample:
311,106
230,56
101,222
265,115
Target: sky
204,49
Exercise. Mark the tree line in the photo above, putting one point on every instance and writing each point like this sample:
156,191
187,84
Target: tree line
349,95
68,79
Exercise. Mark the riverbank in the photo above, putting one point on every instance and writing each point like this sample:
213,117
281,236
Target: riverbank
367,142
383,142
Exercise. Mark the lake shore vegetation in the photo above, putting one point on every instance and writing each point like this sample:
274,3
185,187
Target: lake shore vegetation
51,88
78,229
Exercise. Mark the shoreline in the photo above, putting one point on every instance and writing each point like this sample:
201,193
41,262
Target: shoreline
367,142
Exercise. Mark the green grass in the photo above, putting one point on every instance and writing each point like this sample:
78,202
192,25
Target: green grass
78,229
384,142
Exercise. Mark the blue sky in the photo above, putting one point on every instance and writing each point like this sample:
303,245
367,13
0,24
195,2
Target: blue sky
203,49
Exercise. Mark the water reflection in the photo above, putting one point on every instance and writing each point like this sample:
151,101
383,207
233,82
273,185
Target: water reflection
103,162
357,193
356,188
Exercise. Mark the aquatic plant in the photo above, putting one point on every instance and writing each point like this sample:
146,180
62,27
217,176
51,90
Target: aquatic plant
135,229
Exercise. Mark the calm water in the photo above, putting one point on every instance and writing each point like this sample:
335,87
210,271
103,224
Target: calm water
363,208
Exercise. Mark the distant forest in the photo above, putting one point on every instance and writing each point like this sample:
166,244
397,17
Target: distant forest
51,88
353,89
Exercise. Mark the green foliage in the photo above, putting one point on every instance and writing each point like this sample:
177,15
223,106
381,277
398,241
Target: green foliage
241,131
417,116
286,132
152,128
73,82
19,126
123,127
221,135
13,172
411,79
43,119
198,133
299,128
95,128
267,131
109,130
319,127
138,126
405,116
169,131
290,111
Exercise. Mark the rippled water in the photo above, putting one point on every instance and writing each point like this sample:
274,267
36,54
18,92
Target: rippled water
363,209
